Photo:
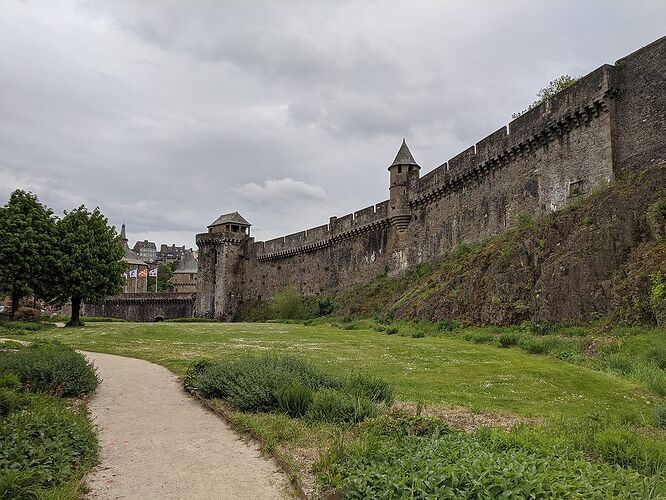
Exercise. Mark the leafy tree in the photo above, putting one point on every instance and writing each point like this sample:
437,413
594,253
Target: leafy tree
560,83
164,273
90,260
27,248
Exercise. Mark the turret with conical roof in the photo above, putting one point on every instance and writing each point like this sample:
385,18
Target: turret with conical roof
404,171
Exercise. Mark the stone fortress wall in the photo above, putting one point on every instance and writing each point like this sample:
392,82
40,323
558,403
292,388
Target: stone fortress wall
611,120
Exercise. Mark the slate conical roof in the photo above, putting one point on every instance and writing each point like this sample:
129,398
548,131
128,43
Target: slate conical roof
404,157
231,218
188,264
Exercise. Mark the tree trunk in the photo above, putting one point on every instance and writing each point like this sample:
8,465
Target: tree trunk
75,320
16,296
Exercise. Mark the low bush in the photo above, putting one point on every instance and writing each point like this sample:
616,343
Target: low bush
191,320
294,399
100,319
251,383
373,388
22,325
334,406
508,339
650,376
448,325
27,314
43,446
392,330
660,414
482,338
52,368
440,463
418,334
292,385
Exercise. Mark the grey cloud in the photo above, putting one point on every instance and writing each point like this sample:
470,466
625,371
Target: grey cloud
168,113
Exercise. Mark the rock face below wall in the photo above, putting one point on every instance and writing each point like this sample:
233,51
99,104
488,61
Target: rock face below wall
592,260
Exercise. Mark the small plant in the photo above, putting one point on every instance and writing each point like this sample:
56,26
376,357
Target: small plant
27,314
294,399
325,306
392,330
330,405
448,325
289,304
660,414
658,298
374,388
508,339
418,334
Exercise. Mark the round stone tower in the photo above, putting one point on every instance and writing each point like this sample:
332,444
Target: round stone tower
404,172
220,273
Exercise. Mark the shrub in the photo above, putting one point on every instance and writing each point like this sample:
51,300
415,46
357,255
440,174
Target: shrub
658,298
251,383
288,304
392,330
22,325
325,306
449,464
373,388
52,368
660,414
483,338
448,325
657,356
9,401
508,339
45,445
294,399
418,334
330,405
651,377
27,314
10,381
191,320
618,362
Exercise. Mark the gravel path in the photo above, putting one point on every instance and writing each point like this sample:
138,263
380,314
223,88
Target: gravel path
157,443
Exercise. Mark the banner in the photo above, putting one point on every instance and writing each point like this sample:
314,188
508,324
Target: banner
153,273
143,273
131,273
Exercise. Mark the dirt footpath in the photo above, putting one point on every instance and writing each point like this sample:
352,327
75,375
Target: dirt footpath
159,444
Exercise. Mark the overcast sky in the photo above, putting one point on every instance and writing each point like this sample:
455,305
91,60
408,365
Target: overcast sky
167,113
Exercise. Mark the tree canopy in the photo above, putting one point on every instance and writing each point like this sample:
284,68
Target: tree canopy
27,244
90,259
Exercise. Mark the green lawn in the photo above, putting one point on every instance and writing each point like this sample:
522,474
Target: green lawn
434,370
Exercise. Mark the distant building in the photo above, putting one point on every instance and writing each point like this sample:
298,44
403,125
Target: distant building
168,254
184,278
146,250
137,269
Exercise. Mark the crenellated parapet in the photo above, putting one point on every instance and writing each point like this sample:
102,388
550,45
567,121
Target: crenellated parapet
574,107
338,229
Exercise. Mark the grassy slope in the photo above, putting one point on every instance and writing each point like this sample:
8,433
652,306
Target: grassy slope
593,259
434,370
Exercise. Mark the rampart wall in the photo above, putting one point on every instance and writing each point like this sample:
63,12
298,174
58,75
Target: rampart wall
145,307
612,119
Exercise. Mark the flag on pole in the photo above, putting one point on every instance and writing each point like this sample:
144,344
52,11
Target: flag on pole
143,273
153,273
131,273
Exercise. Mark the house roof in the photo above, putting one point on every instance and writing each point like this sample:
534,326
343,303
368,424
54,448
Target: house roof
130,257
231,218
404,156
188,264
